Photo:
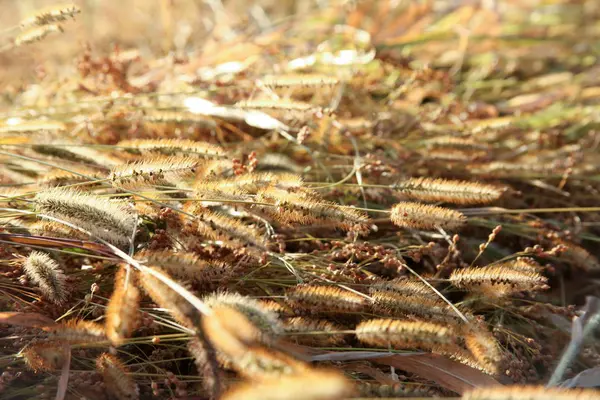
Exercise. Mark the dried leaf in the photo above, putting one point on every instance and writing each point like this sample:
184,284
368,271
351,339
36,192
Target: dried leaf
447,373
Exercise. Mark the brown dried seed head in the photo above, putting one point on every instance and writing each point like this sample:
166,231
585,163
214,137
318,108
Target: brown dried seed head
78,331
36,34
55,230
260,316
448,191
165,297
304,206
172,147
524,264
267,104
484,348
299,80
578,256
230,232
116,377
516,392
497,280
122,311
465,357
396,304
187,265
57,177
57,13
205,359
260,363
251,182
404,286
154,171
405,334
178,117
47,275
318,326
46,356
313,385
112,221
229,331
424,216
325,299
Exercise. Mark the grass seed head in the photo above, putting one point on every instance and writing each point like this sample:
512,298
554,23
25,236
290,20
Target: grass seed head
116,377
423,216
47,275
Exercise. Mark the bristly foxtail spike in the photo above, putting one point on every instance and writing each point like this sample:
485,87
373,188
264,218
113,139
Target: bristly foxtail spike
448,191
122,311
48,15
425,216
47,275
116,377
112,221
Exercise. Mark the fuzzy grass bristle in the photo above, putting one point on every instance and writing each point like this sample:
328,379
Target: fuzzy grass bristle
69,151
47,275
425,216
187,265
497,280
465,357
299,80
448,191
324,332
122,311
307,207
517,392
109,220
116,377
260,363
167,298
524,264
173,147
205,358
484,349
55,230
44,356
404,286
60,177
229,232
396,304
36,34
260,316
154,171
251,182
578,256
178,117
230,332
405,334
279,309
313,385
48,15
453,155
80,332
325,299
266,105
